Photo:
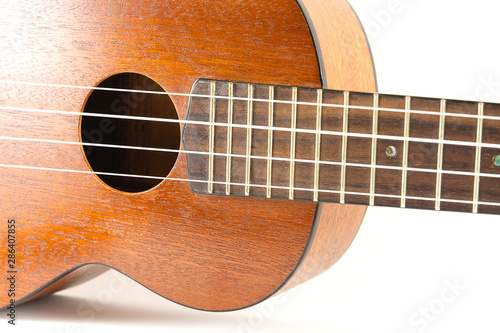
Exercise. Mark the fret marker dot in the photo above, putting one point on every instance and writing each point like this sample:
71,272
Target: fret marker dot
496,160
391,151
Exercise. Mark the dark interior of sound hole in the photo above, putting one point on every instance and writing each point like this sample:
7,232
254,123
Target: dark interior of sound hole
127,132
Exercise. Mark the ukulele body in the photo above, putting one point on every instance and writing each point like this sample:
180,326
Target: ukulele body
207,252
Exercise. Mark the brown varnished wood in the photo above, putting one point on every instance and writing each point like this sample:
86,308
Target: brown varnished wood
74,278
342,46
347,65
181,245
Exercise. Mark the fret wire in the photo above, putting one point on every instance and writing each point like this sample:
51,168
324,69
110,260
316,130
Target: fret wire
229,136
477,168
293,138
249,139
404,173
345,127
270,141
374,148
211,139
439,174
317,148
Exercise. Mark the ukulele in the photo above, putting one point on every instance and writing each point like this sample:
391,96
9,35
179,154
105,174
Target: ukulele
208,224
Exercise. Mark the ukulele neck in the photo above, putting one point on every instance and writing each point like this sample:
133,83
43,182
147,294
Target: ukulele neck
344,147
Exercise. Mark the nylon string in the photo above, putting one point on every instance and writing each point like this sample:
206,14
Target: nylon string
251,185
369,108
204,123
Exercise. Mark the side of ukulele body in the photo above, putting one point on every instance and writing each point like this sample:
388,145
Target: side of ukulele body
207,252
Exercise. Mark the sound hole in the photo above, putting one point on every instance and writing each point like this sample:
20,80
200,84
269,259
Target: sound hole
140,164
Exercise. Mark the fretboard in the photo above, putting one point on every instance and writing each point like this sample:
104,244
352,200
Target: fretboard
345,147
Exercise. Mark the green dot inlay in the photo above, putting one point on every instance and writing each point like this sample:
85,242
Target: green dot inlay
391,151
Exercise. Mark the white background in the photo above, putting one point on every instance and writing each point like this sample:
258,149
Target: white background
402,263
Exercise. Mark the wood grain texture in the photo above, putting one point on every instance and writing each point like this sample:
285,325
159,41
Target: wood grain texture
211,253
346,59
439,155
206,252
73,278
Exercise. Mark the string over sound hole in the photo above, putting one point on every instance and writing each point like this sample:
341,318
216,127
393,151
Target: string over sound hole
132,170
